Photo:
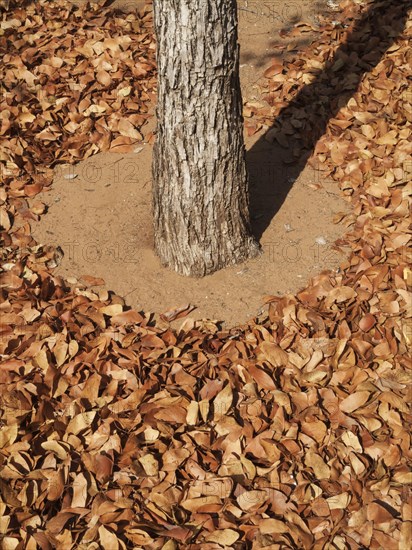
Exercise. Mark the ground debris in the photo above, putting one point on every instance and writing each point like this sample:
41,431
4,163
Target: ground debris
118,431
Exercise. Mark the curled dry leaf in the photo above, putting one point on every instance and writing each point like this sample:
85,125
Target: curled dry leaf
177,312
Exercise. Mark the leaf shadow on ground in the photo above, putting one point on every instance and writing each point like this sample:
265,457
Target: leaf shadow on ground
274,168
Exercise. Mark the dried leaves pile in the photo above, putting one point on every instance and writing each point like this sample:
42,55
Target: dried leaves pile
72,80
119,432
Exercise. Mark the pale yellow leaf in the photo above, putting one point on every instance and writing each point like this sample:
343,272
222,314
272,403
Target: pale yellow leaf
222,402
354,401
224,537
80,422
339,502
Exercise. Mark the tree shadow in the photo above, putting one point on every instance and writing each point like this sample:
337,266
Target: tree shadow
272,167
283,19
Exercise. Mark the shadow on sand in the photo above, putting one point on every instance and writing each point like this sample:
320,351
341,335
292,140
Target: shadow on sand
273,168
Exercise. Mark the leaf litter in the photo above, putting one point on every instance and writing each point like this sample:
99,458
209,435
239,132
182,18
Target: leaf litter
119,431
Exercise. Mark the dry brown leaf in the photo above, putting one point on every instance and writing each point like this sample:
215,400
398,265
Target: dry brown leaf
354,401
177,312
272,526
222,402
223,537
273,353
251,500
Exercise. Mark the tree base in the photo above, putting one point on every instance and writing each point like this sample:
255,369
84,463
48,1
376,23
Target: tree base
199,263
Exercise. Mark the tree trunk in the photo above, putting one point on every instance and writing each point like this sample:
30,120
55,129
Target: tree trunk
200,185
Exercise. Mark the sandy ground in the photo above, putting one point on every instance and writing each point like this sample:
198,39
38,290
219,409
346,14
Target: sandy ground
99,211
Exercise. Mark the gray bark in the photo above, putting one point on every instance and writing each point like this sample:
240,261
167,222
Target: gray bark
200,186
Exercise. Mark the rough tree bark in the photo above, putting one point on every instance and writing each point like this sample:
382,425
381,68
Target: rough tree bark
200,186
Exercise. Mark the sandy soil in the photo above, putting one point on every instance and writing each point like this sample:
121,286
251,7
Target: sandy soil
99,211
